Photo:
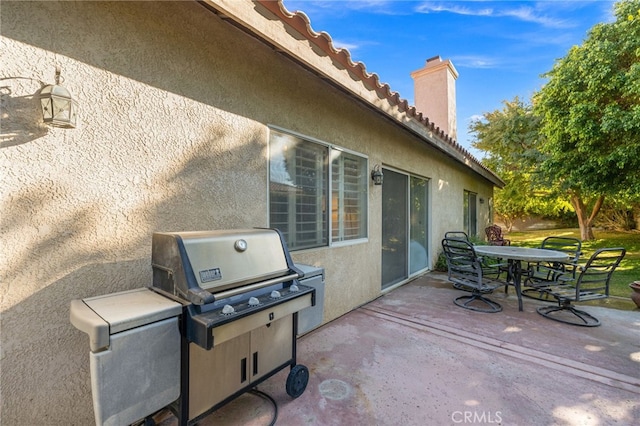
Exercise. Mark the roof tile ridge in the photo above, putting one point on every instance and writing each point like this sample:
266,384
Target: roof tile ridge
304,18
372,79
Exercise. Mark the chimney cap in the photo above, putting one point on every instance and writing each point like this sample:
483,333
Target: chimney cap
434,64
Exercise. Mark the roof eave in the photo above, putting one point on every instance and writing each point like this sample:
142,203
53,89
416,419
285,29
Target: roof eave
365,88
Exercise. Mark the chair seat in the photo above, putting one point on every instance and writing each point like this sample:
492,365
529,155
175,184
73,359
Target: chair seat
487,284
568,292
541,280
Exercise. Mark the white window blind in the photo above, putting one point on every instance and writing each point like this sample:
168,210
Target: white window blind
299,180
348,195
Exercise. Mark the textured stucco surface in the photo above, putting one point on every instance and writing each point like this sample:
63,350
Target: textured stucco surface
174,112
435,93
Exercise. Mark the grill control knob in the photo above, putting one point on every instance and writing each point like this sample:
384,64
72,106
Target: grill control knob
240,245
275,294
228,310
294,289
253,301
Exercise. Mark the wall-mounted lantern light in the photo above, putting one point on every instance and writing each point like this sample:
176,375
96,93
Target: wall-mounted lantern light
481,200
58,107
376,175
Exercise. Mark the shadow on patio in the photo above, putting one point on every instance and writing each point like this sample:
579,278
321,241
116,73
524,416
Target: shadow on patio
412,357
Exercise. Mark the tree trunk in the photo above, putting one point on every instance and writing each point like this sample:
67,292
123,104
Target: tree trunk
508,223
585,222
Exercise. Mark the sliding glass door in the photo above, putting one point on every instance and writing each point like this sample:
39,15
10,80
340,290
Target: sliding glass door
404,226
418,225
395,242
470,214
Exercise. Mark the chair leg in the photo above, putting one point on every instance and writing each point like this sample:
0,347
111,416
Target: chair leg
509,279
565,307
468,300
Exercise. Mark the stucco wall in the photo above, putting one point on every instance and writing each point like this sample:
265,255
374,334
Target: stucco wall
174,107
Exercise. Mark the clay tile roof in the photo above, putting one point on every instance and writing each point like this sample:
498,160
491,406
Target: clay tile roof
301,23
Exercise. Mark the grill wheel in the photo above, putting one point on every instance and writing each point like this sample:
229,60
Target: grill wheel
297,380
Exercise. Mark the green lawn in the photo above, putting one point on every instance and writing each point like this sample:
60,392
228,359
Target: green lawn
627,272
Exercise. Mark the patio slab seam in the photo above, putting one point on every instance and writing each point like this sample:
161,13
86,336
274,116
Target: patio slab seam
586,371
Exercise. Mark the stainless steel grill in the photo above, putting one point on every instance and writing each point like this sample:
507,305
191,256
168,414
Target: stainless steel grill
241,297
238,298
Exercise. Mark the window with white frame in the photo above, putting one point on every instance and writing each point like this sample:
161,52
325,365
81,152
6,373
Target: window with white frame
317,193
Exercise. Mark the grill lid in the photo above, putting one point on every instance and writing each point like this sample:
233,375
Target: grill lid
195,265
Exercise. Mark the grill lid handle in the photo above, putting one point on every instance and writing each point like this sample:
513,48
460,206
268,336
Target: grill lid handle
199,296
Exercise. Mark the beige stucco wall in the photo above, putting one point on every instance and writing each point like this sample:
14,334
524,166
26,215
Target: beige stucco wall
174,107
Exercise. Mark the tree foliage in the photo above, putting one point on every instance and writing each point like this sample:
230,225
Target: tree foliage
581,138
510,137
590,115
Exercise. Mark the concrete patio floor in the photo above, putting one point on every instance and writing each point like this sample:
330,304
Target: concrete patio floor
412,357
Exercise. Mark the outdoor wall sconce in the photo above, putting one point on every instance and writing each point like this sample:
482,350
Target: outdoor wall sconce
58,107
481,200
376,175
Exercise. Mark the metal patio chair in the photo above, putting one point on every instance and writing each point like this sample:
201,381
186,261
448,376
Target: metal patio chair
488,263
467,272
491,262
541,274
590,283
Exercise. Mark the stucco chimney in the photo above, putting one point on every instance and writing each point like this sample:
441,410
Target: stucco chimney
434,90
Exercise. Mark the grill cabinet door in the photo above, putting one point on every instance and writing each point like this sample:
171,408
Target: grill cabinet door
271,346
218,373
232,365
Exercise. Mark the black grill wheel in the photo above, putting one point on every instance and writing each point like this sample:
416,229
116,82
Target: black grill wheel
297,380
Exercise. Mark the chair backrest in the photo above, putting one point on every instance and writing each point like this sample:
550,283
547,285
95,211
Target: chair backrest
569,245
457,234
596,274
461,257
494,235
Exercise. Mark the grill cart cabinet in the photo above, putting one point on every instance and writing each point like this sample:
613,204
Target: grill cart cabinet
134,339
237,363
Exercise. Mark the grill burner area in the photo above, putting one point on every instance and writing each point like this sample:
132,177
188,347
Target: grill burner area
245,307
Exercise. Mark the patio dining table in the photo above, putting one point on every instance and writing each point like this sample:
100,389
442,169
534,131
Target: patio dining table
515,256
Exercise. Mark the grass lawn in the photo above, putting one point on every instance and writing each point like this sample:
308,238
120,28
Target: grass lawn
627,272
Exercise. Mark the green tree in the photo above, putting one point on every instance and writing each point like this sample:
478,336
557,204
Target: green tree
590,115
510,137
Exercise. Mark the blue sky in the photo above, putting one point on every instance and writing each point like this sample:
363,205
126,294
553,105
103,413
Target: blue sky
500,48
